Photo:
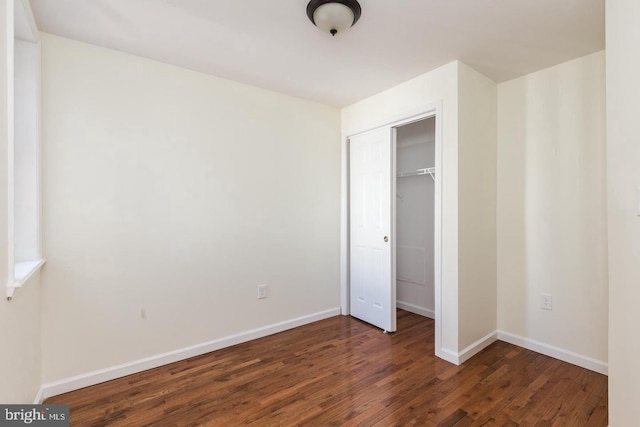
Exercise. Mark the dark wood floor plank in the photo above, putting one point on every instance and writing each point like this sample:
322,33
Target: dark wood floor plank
343,372
490,401
600,413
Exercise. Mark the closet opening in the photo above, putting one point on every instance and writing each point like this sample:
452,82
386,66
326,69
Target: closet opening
391,225
415,164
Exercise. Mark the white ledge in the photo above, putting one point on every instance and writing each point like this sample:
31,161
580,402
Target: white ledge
22,271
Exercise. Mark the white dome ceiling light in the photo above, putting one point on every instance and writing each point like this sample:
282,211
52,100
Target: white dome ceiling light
334,16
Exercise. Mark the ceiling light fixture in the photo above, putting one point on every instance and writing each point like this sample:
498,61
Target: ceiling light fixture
334,16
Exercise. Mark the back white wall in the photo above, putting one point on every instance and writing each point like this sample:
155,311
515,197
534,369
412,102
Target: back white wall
169,196
552,222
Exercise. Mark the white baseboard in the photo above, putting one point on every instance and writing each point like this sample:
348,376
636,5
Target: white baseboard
96,377
542,348
448,355
477,347
458,358
555,352
118,371
39,397
416,309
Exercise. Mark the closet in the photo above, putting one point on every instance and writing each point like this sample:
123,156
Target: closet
392,202
415,178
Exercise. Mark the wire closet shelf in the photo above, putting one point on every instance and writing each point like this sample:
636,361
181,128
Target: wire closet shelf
418,172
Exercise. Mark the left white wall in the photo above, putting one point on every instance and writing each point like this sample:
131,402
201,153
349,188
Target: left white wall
20,353
169,195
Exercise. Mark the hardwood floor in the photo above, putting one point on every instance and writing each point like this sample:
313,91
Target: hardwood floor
341,371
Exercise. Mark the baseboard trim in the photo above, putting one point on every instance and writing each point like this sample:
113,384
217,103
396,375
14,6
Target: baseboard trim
458,358
448,355
416,309
555,352
39,396
477,347
96,377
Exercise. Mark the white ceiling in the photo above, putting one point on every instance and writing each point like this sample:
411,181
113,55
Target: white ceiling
272,44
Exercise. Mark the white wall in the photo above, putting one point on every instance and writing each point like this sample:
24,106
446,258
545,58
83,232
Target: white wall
552,222
437,86
477,133
623,183
20,357
20,352
174,194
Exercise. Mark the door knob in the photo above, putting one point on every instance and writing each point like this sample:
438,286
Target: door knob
386,238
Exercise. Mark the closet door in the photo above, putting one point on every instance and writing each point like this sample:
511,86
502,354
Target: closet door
372,281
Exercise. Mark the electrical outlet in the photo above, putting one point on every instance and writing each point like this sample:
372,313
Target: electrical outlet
262,291
546,302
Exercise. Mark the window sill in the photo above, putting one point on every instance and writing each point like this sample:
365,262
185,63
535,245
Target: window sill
22,272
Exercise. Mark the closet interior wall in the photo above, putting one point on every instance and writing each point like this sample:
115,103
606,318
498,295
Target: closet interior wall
415,151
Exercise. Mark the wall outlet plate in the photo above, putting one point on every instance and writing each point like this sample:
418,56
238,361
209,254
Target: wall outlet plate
546,302
262,291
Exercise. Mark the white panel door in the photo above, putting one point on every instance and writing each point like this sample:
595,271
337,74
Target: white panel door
372,281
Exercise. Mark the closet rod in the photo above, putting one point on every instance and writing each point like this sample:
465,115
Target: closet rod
417,172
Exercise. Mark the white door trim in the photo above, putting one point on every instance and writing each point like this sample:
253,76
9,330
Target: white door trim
426,111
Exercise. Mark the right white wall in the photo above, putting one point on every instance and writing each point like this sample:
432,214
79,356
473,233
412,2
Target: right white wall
551,216
623,182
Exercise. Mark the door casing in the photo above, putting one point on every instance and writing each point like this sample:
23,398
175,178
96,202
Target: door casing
424,112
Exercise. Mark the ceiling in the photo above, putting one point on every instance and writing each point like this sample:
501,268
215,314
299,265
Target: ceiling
272,44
